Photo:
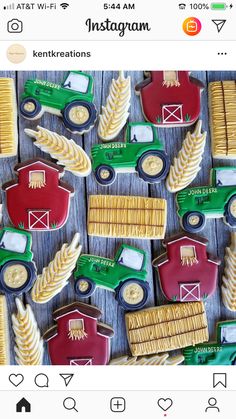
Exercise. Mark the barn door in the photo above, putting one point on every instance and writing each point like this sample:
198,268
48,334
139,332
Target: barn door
84,361
38,219
190,291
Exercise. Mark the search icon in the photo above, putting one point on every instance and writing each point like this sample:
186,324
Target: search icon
70,404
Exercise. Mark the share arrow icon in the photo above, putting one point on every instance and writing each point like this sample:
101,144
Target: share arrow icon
219,24
67,378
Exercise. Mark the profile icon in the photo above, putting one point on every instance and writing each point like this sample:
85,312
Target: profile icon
212,402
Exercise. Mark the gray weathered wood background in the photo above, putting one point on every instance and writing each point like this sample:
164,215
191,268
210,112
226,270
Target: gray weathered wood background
46,244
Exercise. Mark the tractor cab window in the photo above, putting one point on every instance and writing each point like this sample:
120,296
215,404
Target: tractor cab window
77,82
141,134
228,334
13,242
226,177
131,259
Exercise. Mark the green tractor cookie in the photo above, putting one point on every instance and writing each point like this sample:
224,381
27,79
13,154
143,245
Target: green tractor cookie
73,101
222,352
214,201
125,275
17,271
141,152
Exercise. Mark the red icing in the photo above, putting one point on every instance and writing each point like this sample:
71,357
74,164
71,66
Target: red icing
92,350
189,282
184,101
48,204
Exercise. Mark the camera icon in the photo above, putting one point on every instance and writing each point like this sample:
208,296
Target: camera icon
15,26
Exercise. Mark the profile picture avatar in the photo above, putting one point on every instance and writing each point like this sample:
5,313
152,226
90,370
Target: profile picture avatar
15,26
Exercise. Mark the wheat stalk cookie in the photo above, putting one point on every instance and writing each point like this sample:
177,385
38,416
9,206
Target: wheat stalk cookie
187,164
28,342
115,113
55,276
4,333
222,106
8,118
228,288
159,359
67,152
72,101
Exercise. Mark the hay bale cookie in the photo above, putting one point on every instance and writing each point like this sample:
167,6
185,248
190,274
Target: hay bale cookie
222,106
166,328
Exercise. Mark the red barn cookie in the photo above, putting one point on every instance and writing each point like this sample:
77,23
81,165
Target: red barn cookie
78,338
170,98
186,271
38,199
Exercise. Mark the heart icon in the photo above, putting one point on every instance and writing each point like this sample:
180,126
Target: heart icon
165,404
16,379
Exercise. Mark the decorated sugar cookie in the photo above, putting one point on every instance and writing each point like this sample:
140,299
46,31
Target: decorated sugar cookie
72,101
4,333
187,272
142,152
228,288
67,152
55,276
218,199
127,216
78,338
222,106
28,342
170,98
162,359
166,328
187,165
221,352
125,275
8,118
115,113
17,269
38,199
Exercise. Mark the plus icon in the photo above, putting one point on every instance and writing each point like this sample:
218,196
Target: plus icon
117,404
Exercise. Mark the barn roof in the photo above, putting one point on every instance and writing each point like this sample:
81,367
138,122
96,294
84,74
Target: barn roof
85,309
30,162
159,260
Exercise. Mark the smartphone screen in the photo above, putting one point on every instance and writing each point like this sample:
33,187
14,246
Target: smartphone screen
118,209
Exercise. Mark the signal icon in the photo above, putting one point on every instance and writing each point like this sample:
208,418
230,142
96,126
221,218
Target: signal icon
64,5
9,7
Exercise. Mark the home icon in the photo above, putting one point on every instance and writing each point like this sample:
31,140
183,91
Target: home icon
23,406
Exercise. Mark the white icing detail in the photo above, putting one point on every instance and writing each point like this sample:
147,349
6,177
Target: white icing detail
190,292
172,111
141,134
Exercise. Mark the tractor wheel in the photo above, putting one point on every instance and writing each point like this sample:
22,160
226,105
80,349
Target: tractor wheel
153,166
30,108
233,362
79,116
133,294
84,287
230,212
104,174
17,276
193,221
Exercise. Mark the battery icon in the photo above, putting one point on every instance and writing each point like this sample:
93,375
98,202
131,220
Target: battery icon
218,6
